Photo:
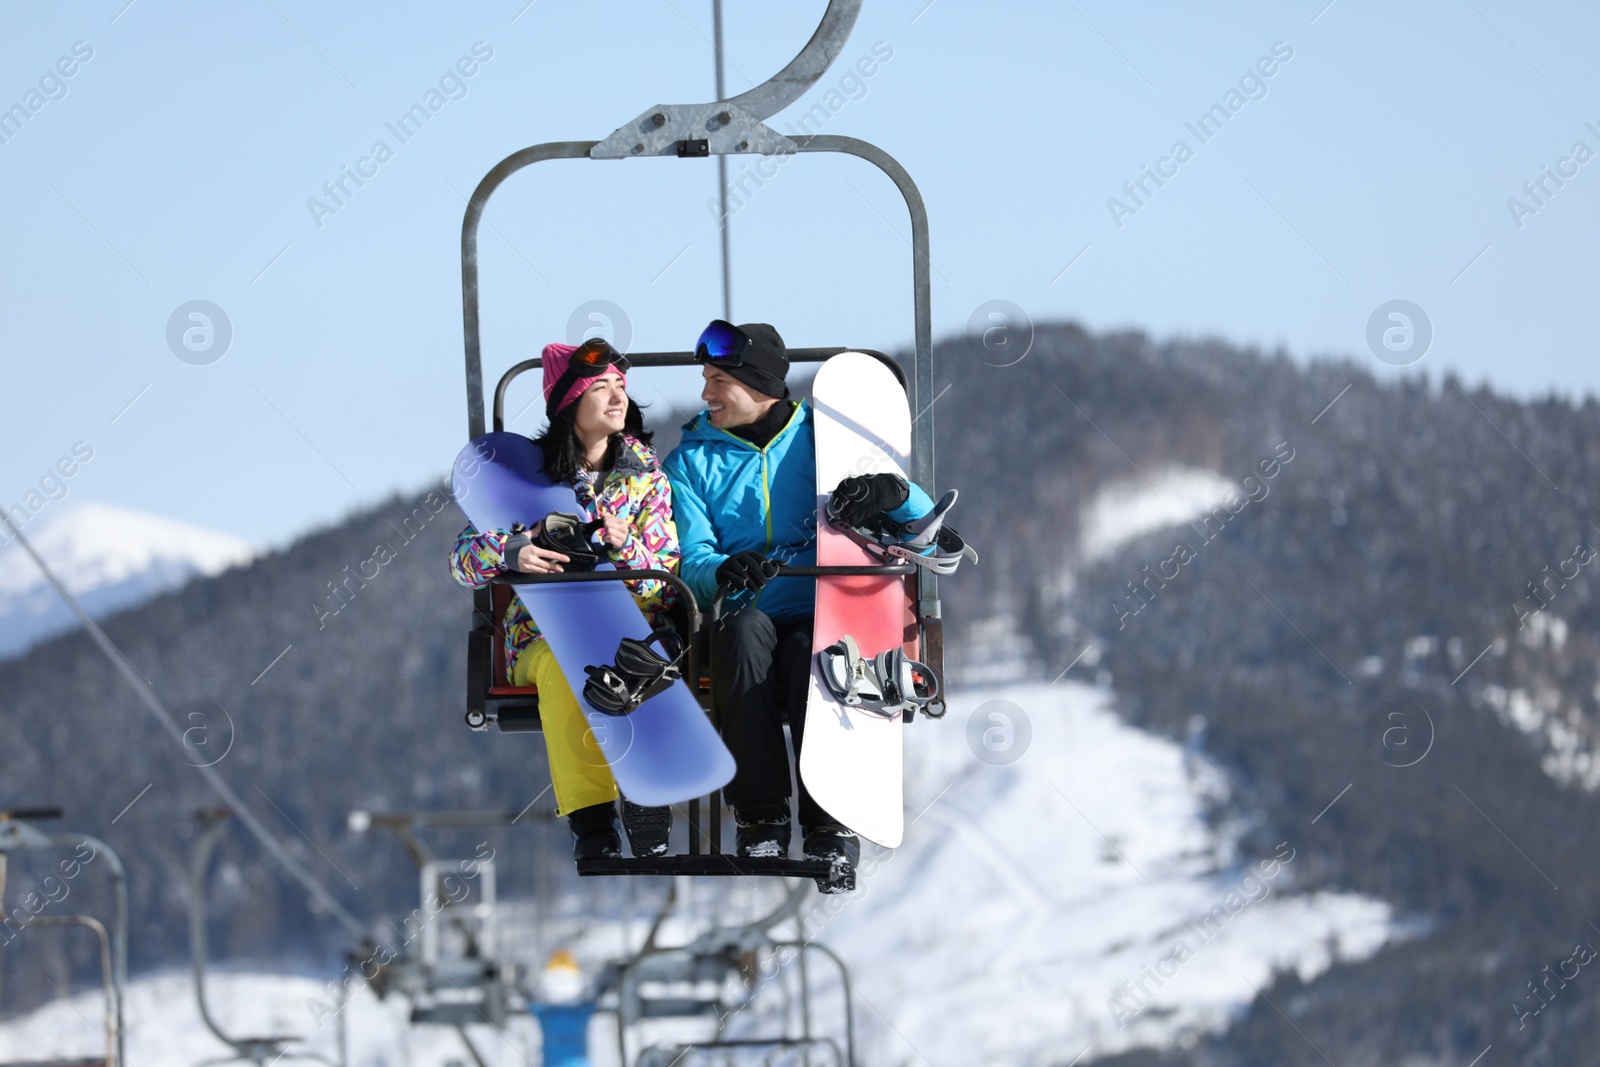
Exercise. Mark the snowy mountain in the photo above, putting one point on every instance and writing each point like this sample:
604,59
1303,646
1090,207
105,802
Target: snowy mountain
111,558
1267,682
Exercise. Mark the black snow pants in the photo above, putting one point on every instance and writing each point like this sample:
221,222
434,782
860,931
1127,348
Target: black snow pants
759,671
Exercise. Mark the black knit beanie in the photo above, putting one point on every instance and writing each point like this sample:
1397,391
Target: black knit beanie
766,361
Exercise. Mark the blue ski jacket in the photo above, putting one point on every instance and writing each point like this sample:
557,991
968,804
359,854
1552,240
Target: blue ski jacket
730,496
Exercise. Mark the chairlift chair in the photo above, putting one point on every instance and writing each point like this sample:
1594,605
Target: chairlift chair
689,981
724,127
17,834
259,1050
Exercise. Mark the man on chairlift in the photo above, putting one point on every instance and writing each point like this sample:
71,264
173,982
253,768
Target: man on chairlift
744,487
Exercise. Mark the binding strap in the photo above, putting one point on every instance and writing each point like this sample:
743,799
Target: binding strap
905,682
943,557
639,673
849,677
573,538
925,542
886,685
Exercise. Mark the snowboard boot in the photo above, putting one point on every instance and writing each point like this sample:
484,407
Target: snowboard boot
647,828
841,849
594,832
761,831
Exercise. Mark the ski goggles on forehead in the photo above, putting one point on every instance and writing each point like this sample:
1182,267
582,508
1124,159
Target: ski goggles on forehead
594,356
589,360
722,343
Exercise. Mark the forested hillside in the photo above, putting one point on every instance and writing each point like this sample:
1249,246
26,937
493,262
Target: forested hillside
335,692
1321,638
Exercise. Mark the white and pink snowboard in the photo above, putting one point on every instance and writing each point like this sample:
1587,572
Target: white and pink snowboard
852,759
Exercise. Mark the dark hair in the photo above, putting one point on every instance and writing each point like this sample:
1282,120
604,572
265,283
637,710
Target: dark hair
563,452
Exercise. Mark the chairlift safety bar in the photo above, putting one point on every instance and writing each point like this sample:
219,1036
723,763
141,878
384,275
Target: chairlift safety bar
682,359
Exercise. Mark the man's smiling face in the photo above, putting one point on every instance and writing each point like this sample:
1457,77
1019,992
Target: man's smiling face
730,401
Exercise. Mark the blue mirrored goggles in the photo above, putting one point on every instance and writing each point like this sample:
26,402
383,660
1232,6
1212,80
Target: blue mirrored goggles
722,343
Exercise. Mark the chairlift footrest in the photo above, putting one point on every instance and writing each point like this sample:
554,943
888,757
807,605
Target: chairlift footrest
724,866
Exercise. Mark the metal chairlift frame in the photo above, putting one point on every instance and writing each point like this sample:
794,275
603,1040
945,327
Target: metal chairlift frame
258,1050
17,834
495,981
410,975
709,957
723,127
656,964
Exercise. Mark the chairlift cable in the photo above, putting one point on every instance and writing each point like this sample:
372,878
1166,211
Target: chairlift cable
146,695
722,169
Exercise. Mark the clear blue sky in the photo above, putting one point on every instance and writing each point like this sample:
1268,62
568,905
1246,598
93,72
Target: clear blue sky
1374,164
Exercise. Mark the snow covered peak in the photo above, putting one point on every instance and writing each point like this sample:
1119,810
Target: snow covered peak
111,558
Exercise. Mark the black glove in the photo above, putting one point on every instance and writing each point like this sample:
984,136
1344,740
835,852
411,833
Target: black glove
862,496
747,570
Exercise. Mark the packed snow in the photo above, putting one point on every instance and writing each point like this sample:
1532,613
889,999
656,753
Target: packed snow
1125,510
1075,901
165,1029
1060,892
110,558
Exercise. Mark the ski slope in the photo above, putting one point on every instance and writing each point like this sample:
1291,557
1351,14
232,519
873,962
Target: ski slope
1029,896
1005,931
165,1029
1125,510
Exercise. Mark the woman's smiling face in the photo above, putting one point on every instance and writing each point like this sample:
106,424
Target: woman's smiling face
603,407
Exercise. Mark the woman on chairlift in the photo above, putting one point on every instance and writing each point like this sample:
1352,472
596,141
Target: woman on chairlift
595,441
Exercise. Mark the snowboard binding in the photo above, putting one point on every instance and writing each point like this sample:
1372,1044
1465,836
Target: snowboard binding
888,684
639,673
926,542
905,682
570,536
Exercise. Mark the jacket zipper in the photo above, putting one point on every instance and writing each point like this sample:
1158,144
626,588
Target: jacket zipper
766,496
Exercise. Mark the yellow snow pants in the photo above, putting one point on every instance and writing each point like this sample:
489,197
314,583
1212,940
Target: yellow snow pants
578,768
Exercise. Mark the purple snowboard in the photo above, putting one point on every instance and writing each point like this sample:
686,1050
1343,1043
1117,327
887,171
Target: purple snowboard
664,752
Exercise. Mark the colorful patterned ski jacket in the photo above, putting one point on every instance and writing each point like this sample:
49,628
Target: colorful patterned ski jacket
634,489
730,496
